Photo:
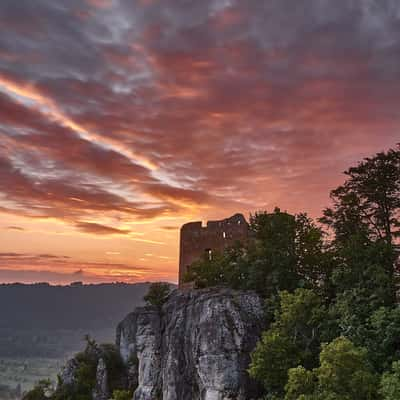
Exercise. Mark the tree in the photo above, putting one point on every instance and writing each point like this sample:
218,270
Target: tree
115,365
344,374
207,271
157,294
294,338
302,384
362,286
365,216
382,337
369,200
312,259
390,383
273,356
289,252
272,258
364,219
230,268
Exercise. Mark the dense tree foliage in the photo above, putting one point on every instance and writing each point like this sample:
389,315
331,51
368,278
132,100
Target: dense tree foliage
293,338
344,374
321,282
368,203
390,383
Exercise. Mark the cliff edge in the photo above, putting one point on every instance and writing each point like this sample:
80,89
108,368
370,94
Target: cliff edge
196,348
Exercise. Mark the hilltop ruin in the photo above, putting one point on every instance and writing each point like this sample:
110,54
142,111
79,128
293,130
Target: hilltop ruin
197,240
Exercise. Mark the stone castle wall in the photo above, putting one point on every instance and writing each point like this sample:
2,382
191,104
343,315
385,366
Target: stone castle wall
197,240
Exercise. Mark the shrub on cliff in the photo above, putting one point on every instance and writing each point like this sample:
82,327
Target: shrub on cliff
115,366
158,294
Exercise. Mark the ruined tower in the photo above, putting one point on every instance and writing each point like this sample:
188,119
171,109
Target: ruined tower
197,240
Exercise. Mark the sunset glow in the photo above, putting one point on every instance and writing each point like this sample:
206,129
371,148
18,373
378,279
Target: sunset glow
121,120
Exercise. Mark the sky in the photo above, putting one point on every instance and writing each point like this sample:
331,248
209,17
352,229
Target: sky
120,120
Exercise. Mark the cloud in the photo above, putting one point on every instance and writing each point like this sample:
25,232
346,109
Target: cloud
127,112
28,267
7,258
170,228
15,228
90,227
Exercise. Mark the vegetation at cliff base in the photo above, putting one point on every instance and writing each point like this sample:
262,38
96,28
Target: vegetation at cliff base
329,288
84,376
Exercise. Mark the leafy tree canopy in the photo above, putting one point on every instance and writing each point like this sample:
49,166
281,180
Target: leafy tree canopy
344,374
294,338
390,383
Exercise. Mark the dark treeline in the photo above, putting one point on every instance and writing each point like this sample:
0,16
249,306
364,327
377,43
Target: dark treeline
331,313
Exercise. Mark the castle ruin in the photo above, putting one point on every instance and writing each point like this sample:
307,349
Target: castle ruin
197,240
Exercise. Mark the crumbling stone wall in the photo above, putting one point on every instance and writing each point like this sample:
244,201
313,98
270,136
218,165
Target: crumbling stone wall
197,240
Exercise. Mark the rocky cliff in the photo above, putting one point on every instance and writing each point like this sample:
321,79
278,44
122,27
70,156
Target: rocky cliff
196,348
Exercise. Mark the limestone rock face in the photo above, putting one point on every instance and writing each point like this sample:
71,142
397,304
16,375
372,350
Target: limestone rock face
196,348
139,341
68,373
101,391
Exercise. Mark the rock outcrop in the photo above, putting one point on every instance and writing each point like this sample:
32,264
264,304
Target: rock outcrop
101,391
68,373
196,348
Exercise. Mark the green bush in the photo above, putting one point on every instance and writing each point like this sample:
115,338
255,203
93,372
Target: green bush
158,294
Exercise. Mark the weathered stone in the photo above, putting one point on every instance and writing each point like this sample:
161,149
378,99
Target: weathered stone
68,373
101,391
197,240
197,348
139,341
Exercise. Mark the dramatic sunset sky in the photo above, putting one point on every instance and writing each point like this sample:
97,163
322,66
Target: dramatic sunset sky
122,119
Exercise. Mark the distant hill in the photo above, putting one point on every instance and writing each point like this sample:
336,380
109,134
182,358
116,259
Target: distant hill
41,320
76,306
